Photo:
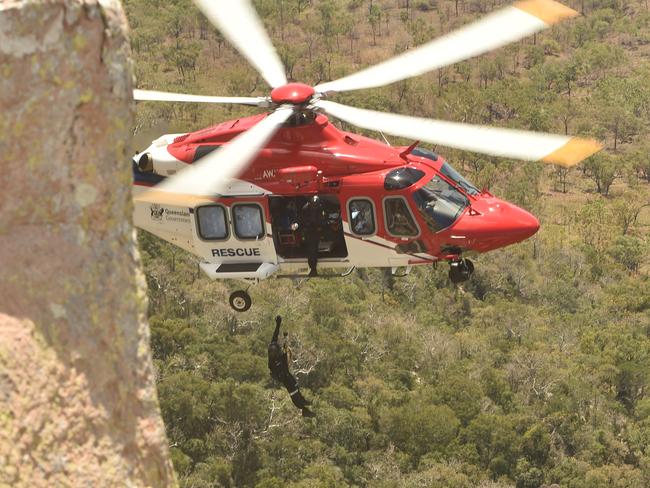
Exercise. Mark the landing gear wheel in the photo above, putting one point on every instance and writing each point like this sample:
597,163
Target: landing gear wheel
240,301
461,270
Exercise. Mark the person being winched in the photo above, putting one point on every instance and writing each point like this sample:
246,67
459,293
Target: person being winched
279,366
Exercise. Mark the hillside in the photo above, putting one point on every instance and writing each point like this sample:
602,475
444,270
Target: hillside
535,372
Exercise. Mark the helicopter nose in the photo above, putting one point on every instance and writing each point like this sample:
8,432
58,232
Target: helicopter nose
493,223
519,224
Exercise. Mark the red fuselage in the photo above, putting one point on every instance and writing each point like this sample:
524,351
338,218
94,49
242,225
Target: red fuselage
314,156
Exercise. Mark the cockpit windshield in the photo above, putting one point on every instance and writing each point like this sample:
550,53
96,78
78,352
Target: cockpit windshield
448,171
439,203
457,178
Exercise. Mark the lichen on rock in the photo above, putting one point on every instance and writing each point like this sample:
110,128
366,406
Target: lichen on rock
78,405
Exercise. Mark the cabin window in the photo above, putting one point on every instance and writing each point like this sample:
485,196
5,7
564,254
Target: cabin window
248,220
399,220
362,217
212,222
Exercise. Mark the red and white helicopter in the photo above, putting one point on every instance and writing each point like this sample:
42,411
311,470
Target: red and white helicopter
231,194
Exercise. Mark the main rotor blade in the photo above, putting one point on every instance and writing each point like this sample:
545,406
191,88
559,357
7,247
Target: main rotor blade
213,172
160,96
238,22
506,143
498,29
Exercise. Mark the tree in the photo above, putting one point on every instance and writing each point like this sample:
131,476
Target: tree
621,101
420,31
561,175
603,169
183,56
640,161
290,54
495,441
460,393
643,167
418,427
593,224
566,110
628,251
374,17
487,72
536,445
528,476
327,11
626,210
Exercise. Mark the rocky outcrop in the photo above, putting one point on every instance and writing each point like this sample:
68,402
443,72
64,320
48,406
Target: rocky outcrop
77,398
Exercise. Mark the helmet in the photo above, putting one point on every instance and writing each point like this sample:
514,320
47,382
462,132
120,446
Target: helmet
315,198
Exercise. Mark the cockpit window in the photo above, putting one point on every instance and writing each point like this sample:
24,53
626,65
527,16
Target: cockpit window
457,178
401,178
424,153
439,203
448,171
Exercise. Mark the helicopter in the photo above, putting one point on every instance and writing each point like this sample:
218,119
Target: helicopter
232,194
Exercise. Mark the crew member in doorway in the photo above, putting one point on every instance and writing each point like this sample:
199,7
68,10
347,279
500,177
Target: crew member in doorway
312,217
279,367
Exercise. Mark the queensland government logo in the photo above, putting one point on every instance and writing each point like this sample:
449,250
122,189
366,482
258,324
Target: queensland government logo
156,211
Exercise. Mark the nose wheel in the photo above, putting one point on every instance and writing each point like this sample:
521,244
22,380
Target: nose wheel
461,270
240,301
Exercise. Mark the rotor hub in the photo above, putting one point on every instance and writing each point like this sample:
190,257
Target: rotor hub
294,93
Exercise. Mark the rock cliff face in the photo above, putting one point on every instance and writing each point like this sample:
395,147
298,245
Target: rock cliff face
78,405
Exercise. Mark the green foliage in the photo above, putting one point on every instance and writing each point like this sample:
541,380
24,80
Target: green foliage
603,169
528,476
460,393
622,104
418,427
536,443
628,251
496,442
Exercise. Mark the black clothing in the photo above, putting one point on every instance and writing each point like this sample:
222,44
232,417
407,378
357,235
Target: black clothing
279,367
312,214
313,241
307,413
278,361
312,221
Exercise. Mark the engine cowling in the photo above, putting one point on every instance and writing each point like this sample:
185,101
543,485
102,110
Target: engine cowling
157,159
